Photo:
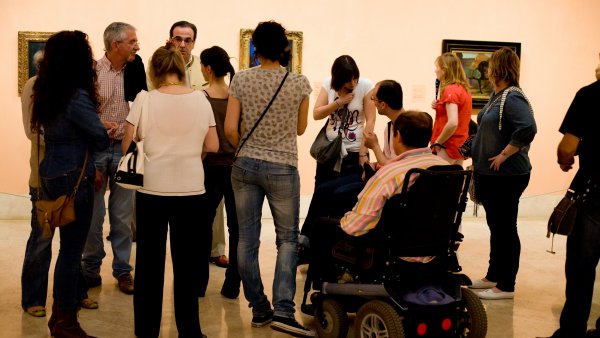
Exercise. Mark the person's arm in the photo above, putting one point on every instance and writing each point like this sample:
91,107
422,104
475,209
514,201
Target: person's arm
567,148
232,120
451,125
516,110
369,111
26,106
303,116
372,143
128,137
324,108
211,141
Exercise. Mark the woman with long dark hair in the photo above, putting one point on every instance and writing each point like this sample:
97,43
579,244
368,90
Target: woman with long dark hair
267,167
215,66
64,110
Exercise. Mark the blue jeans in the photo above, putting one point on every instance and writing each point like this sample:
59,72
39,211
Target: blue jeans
69,286
120,211
252,180
38,253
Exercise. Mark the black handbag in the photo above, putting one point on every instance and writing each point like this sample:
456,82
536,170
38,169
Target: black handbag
563,217
324,151
130,171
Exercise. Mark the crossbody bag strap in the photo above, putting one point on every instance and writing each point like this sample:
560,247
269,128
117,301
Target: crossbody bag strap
261,116
81,174
503,99
39,183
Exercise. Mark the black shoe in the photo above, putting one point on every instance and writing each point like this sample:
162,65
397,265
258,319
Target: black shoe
303,256
592,333
290,326
230,291
93,281
260,321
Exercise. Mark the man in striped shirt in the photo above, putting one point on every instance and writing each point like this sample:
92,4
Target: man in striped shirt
412,131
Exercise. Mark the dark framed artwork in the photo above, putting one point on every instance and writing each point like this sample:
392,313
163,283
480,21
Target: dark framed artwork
248,57
474,56
29,44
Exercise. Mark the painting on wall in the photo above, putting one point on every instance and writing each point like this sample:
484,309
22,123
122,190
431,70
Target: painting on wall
248,56
29,44
475,56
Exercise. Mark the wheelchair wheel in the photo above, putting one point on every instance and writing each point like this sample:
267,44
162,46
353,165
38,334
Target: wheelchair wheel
333,321
378,319
474,321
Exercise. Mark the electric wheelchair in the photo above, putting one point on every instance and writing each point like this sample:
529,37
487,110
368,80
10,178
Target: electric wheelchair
385,276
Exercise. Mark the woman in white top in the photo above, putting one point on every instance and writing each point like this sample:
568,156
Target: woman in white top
345,101
180,127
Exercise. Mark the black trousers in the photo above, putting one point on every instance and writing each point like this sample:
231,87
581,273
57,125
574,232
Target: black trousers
217,182
500,198
583,254
190,235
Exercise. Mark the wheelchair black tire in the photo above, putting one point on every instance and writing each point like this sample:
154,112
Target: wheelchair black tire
380,314
475,322
333,321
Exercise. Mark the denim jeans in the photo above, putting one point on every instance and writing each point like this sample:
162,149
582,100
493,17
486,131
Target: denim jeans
331,199
583,254
120,211
252,180
500,198
38,254
184,217
69,286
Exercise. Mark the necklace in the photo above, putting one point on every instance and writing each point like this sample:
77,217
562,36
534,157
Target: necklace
164,84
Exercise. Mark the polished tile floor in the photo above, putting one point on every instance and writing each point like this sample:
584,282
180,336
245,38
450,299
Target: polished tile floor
533,312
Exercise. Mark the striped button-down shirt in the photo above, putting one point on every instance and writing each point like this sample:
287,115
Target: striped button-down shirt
111,92
386,183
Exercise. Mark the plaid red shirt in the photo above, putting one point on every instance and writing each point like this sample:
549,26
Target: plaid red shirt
111,92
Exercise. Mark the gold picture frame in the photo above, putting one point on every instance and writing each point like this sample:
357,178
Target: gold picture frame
29,44
247,56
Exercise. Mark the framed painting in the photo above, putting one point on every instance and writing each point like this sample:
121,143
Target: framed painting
475,56
29,44
248,56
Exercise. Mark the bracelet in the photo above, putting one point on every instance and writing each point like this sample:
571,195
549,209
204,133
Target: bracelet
339,106
504,153
437,145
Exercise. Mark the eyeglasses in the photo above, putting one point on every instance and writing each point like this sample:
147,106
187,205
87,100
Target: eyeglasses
373,98
179,40
131,43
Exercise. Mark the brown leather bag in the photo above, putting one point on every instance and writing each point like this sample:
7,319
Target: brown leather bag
61,211
55,213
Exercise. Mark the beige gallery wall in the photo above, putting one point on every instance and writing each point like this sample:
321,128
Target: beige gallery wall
388,38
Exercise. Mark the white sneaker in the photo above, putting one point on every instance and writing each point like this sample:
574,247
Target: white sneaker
482,284
491,295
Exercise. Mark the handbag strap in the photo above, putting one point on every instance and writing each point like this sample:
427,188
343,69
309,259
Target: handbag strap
39,187
143,116
261,116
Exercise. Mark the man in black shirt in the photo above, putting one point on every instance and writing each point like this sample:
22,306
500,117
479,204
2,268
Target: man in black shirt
581,137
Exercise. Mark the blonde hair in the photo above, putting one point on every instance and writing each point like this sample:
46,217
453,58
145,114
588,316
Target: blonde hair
453,70
166,60
504,65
